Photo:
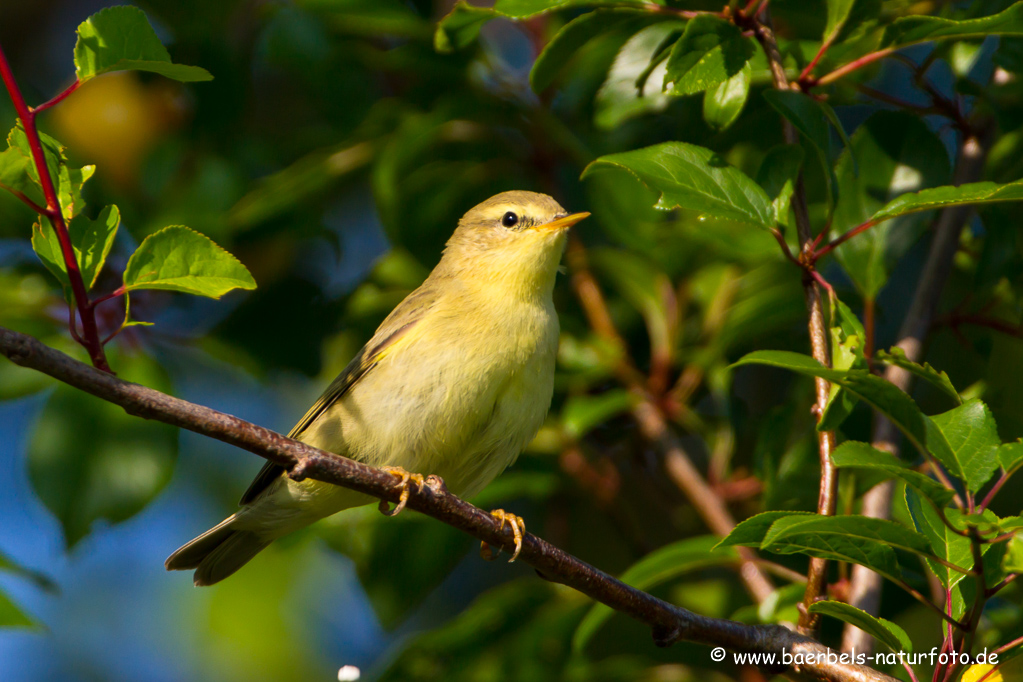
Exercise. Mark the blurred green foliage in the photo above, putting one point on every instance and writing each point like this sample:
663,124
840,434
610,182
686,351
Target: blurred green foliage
334,152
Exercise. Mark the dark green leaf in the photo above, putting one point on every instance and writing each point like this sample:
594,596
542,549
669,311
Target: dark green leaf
889,154
752,531
631,87
896,356
945,543
808,117
37,577
777,175
942,197
180,259
860,540
90,460
47,247
121,39
878,393
92,240
655,569
577,33
846,353
971,431
710,52
695,178
462,24
16,173
853,454
917,29
723,104
893,636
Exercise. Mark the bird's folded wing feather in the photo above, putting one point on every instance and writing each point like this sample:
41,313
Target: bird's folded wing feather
398,323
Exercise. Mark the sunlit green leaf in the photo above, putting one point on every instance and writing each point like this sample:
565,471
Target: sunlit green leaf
710,52
860,540
917,29
752,531
632,86
180,259
582,413
723,104
838,12
896,356
893,636
696,178
1010,455
92,240
882,395
942,197
121,39
856,455
971,431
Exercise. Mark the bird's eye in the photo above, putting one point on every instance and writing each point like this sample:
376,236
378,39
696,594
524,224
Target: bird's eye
509,219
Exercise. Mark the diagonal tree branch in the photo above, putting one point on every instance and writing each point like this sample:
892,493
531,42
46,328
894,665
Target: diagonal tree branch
669,623
865,585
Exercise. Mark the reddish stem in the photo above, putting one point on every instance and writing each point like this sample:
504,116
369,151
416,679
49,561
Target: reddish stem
843,71
59,98
868,328
805,77
24,199
119,291
90,335
838,241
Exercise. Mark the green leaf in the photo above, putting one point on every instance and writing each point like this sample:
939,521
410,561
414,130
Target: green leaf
644,286
18,171
893,636
630,88
1010,455
723,104
694,178
944,542
47,248
860,540
808,117
53,151
942,197
654,569
121,39
847,336
69,183
92,240
896,356
577,33
460,27
917,29
581,413
777,175
752,531
838,12
16,175
971,431
875,391
710,52
89,460
891,153
11,615
856,455
180,259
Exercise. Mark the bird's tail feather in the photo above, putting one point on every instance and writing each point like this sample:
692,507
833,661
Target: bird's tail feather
218,552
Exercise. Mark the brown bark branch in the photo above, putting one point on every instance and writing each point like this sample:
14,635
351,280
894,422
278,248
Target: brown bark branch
669,623
865,585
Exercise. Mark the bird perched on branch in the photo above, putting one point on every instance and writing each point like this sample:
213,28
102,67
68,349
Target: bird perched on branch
455,382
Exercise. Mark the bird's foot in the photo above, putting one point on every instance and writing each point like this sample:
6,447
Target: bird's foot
518,526
406,488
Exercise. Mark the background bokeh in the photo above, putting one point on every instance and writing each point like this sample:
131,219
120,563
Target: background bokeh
333,154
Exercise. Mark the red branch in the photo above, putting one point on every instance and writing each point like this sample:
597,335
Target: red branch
90,334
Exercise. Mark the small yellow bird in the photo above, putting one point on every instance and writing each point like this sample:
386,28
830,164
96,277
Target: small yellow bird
455,382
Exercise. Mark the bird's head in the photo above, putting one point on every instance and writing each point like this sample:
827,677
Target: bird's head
513,238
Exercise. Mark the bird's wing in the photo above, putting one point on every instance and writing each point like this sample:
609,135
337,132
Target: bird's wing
397,324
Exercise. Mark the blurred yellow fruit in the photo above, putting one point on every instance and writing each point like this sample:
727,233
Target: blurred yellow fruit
115,119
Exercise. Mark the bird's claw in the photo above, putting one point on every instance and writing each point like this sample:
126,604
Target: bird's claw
406,479
518,527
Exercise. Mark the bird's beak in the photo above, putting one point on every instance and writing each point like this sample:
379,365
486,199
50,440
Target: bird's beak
564,222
